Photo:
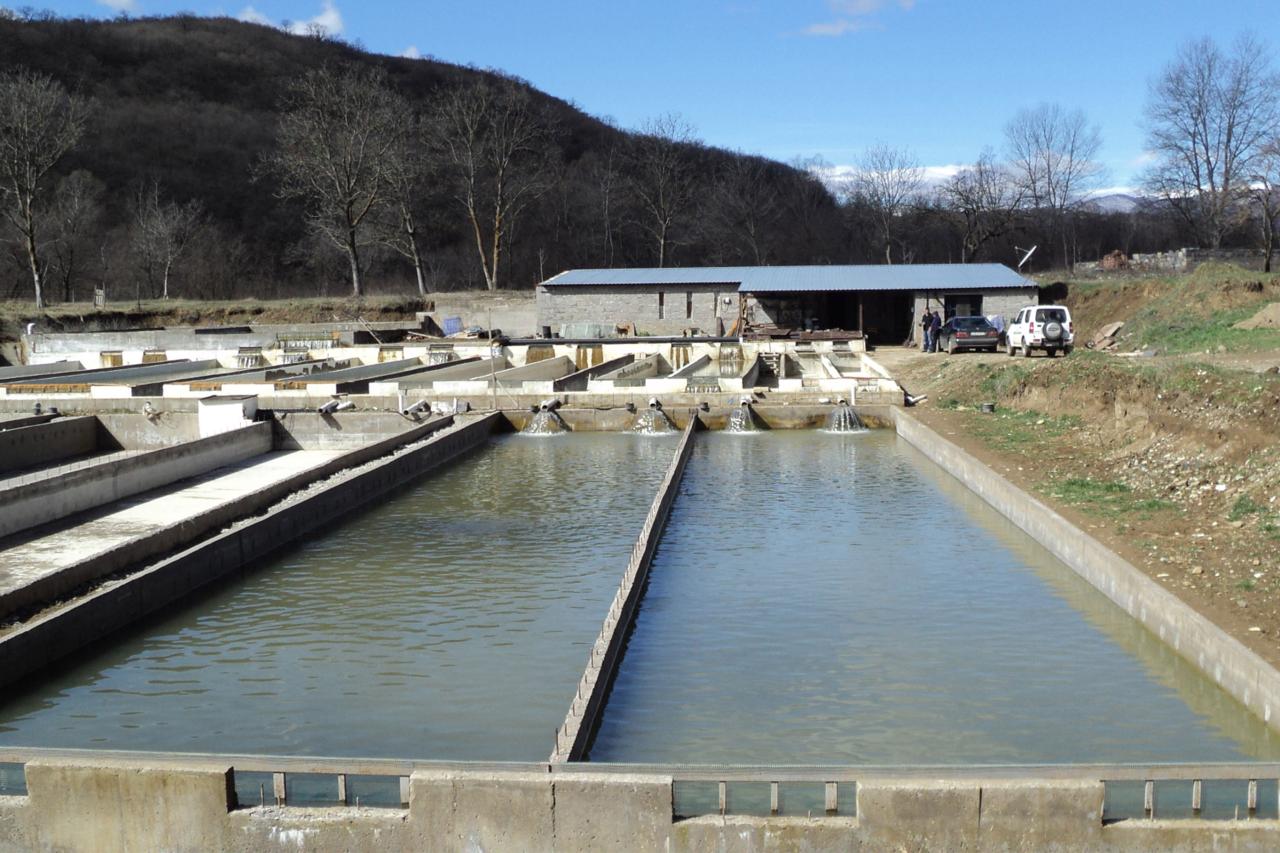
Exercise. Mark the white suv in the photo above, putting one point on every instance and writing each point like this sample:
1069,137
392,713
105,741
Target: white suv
1046,327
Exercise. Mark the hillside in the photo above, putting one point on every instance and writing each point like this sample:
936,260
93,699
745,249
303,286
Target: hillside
191,102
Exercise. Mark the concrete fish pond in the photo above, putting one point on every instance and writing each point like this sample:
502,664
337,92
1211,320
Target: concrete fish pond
814,598
798,614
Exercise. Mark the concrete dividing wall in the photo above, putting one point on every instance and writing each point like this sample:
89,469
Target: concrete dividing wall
69,627
40,444
573,738
1225,660
315,431
52,498
578,380
164,427
175,803
173,536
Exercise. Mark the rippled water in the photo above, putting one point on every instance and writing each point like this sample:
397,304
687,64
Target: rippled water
838,599
452,621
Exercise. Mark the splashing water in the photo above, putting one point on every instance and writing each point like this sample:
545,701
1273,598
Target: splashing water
652,422
844,419
544,422
741,420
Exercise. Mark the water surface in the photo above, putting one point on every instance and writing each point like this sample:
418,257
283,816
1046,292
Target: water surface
838,599
452,621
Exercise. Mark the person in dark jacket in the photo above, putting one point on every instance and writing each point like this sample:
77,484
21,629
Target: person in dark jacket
926,322
935,326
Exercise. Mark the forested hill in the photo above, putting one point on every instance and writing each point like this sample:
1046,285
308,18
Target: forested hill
192,103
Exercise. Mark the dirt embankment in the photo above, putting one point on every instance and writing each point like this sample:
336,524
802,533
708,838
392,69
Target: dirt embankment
1174,462
83,317
1203,313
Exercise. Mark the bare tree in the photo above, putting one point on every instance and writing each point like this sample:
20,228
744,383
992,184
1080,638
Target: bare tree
1208,116
162,231
605,178
887,181
744,206
336,136
1264,193
496,143
663,178
39,123
408,172
1054,155
985,198
75,210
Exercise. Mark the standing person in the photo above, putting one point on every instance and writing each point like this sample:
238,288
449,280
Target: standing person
926,323
935,326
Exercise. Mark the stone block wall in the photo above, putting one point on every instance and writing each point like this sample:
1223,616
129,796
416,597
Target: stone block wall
683,306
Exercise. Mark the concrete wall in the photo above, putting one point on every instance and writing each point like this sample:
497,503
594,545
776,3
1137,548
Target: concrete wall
1006,301
339,430
165,426
573,738
41,444
512,311
55,497
613,304
66,628
1225,660
161,803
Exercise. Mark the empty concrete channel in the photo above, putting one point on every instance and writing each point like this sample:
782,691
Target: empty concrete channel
825,628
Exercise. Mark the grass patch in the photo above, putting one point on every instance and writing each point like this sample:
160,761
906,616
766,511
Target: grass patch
1105,497
1015,430
1244,507
1246,584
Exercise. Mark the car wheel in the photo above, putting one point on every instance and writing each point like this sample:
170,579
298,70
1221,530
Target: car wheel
1052,352
951,346
1026,350
1009,348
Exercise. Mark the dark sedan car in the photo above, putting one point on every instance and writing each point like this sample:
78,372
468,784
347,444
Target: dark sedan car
968,333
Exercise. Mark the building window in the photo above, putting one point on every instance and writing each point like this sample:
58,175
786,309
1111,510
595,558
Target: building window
688,305
661,305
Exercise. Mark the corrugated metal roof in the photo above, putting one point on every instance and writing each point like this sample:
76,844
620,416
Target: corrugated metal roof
808,278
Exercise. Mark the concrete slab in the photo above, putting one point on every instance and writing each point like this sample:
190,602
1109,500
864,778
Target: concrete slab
27,560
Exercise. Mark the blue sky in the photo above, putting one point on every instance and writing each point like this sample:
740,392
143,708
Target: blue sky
792,78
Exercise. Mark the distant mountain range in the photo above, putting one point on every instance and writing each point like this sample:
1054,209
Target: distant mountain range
1116,203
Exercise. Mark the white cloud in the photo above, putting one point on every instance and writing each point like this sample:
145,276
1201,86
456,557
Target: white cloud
852,16
120,5
411,52
839,175
838,28
251,15
1122,189
329,20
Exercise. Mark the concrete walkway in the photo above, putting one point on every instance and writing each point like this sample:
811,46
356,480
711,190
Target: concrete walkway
25,559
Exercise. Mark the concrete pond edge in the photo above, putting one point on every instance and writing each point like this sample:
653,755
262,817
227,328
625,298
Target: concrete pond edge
1239,671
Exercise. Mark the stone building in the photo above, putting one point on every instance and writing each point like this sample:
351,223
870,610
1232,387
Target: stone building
880,301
